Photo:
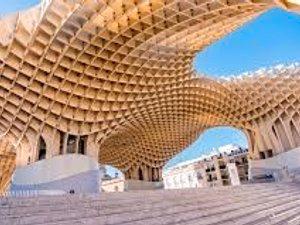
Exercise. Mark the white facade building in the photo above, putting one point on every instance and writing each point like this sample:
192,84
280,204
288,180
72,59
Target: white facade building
227,165
182,176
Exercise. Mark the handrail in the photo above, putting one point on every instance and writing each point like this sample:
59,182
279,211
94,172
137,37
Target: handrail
32,193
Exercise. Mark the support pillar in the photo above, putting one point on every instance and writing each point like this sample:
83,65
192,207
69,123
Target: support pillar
149,169
65,143
77,144
155,174
145,173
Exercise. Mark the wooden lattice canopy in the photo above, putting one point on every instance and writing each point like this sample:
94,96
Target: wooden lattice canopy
120,72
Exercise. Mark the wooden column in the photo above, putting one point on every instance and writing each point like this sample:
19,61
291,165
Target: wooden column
65,144
77,144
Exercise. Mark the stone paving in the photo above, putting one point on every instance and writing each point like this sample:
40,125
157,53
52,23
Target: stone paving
255,204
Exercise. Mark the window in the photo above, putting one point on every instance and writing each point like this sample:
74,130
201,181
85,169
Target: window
245,160
262,155
199,176
141,177
41,149
269,153
190,179
71,143
209,178
82,145
61,142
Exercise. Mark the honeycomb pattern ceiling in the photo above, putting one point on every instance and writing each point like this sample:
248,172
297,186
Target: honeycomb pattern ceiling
121,70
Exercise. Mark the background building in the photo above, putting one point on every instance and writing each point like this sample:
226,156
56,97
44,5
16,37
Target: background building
116,184
228,165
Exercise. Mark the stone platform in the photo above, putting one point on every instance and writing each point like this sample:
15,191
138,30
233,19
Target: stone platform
256,204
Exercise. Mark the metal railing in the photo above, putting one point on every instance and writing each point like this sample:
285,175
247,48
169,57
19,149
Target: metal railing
32,193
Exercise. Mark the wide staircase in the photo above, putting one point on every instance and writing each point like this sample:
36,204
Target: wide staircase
256,204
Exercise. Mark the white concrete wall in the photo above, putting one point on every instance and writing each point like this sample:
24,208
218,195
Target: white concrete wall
56,168
131,185
289,161
64,172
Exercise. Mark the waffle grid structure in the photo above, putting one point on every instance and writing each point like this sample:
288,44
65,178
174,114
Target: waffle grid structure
120,72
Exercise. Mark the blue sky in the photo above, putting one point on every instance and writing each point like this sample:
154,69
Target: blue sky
15,5
271,39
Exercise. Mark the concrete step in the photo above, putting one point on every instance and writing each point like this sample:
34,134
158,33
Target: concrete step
246,204
214,215
106,211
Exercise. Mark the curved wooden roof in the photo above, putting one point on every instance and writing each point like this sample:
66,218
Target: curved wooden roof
122,70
